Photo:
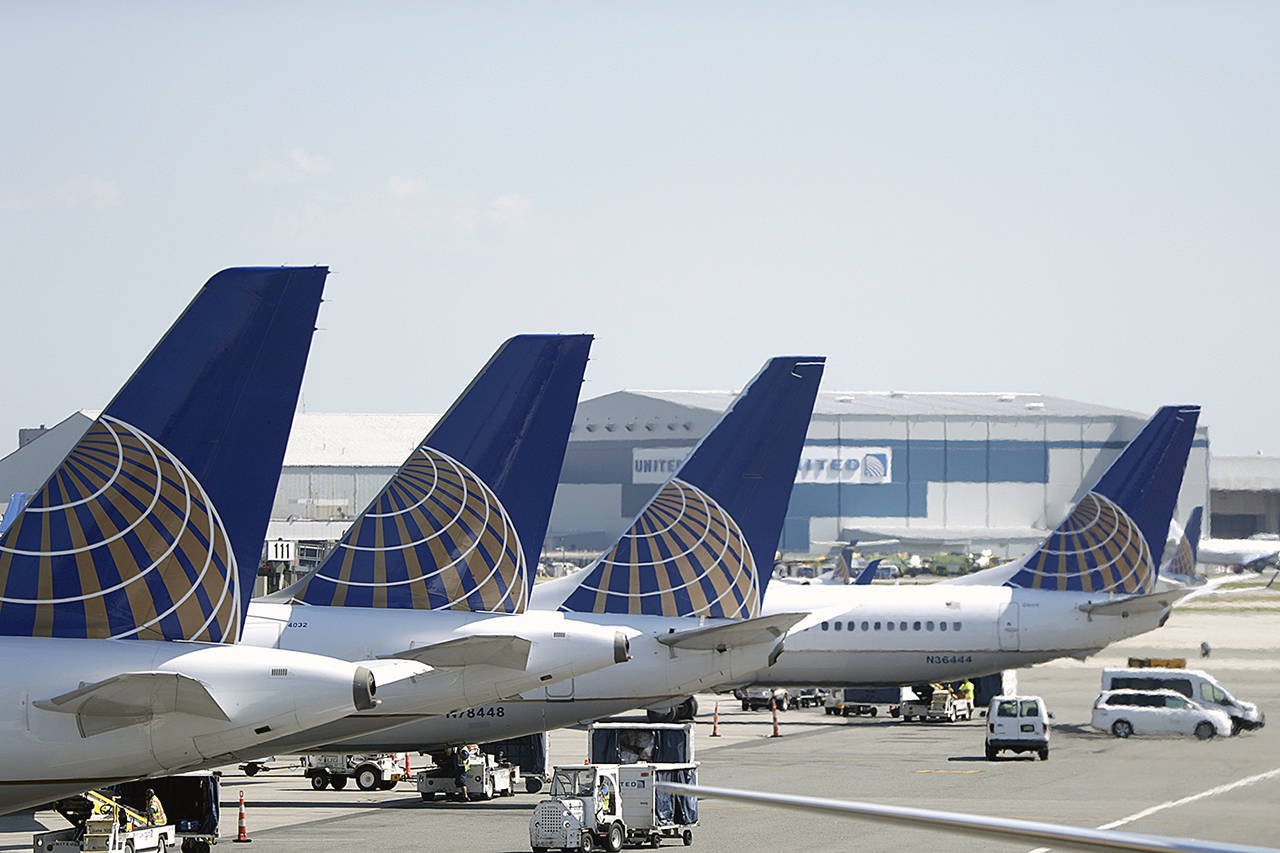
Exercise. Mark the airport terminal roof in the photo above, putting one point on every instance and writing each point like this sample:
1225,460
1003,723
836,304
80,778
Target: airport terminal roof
1245,473
907,403
354,439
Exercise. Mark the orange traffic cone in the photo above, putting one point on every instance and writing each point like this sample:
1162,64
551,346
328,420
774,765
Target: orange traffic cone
773,704
715,722
242,837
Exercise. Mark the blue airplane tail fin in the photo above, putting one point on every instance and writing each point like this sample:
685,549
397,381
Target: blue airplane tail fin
1114,537
17,503
869,573
707,538
152,525
1183,560
460,525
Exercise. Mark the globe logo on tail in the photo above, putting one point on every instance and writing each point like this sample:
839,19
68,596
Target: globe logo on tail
437,538
1098,548
683,556
121,542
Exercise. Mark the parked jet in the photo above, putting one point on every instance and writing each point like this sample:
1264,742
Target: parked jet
437,568
684,578
1258,552
1089,584
123,582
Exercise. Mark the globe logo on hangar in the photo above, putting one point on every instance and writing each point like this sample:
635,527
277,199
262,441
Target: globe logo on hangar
874,467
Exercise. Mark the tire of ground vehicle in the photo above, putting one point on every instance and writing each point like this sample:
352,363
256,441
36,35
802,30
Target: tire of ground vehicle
532,784
586,841
488,788
666,716
687,710
338,782
613,841
427,798
687,837
386,786
163,846
1205,730
1043,753
1122,728
906,718
539,850
320,781
251,769
368,778
128,847
991,753
874,710
746,706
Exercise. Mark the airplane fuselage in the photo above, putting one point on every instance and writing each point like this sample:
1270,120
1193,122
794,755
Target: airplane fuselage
48,754
656,673
902,635
560,649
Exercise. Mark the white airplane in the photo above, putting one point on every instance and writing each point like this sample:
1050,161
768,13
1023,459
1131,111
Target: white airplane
682,578
1058,836
1258,552
1091,583
123,581
437,568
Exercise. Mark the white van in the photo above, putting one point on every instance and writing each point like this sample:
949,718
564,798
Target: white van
1017,724
1194,684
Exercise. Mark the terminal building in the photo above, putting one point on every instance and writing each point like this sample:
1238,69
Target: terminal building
936,472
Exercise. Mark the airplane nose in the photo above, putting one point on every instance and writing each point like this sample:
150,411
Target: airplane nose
363,689
621,647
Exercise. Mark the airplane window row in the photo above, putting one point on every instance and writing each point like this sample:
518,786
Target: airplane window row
868,625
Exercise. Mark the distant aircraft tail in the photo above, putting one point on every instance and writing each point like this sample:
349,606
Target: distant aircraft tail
443,534
704,541
868,573
1182,562
1114,538
17,503
152,526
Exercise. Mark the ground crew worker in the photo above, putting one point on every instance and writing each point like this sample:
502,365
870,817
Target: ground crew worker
155,811
966,690
461,766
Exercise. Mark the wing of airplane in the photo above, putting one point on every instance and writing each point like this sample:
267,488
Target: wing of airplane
1054,835
507,651
761,629
134,697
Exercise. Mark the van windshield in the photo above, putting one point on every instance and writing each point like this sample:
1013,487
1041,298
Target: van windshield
1007,709
1030,708
1210,693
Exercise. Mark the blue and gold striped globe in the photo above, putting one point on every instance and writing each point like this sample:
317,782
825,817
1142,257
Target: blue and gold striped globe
436,538
1098,548
121,542
683,556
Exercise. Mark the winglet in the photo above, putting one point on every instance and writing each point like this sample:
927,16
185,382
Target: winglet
868,573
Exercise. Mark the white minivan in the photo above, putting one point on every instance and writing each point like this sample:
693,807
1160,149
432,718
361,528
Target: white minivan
1194,684
1145,712
1017,724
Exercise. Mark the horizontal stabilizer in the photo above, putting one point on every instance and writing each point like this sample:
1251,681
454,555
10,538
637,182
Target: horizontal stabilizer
509,652
747,632
134,697
1136,603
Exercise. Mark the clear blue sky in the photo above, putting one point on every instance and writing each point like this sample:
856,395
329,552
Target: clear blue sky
1076,198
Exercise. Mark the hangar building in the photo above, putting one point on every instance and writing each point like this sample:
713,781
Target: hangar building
937,471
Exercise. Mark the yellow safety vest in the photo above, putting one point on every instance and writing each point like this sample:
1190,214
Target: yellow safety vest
155,812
